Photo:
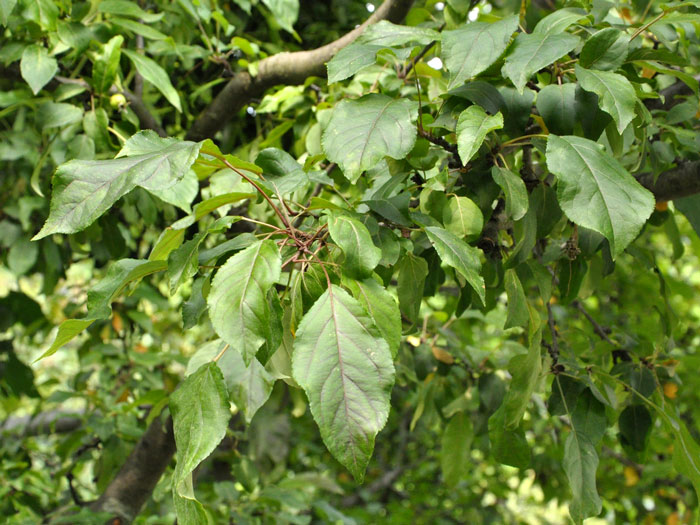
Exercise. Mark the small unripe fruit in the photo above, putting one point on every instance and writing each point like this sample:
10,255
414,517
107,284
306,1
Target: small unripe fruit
117,100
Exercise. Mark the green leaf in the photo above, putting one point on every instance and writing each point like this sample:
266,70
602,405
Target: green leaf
472,127
353,237
181,194
471,49
605,50
455,451
412,273
183,262
200,411
238,306
84,189
6,7
138,28
386,34
532,52
518,314
128,8
559,21
285,12
556,104
58,115
616,95
514,188
508,446
250,386
106,65
381,307
580,464
350,60
459,255
281,171
525,370
362,132
37,67
596,192
67,330
635,425
344,365
462,217
156,75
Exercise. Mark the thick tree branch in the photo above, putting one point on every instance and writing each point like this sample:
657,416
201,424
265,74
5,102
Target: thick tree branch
678,182
282,68
55,421
137,478
669,95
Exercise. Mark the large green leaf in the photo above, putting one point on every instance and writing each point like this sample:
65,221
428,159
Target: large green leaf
462,217
362,132
37,67
282,173
525,370
472,127
350,60
183,262
605,50
556,104
533,52
250,385
455,451
285,12
518,314
386,34
84,189
238,306
615,94
344,365
200,411
381,307
514,188
508,446
156,75
459,255
106,65
595,191
6,7
580,464
471,49
353,237
559,20
412,273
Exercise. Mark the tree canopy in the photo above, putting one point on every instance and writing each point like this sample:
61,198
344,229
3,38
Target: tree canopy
285,261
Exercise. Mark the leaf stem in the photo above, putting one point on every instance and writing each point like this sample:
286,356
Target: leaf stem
223,350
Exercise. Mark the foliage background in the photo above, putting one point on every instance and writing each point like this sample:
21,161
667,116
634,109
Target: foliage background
73,86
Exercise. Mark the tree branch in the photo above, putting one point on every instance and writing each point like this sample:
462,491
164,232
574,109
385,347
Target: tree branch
678,182
54,421
137,478
282,68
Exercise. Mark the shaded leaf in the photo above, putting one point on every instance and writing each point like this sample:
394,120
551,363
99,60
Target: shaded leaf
514,188
238,306
471,49
156,75
596,192
472,127
459,255
344,365
362,132
455,449
37,67
353,237
615,94
532,52
462,217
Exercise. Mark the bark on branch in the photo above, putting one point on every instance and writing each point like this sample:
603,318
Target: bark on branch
678,182
137,478
282,68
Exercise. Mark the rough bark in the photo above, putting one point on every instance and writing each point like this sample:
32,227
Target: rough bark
681,181
137,478
282,68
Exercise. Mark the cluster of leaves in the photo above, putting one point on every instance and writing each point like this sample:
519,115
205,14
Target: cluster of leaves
429,229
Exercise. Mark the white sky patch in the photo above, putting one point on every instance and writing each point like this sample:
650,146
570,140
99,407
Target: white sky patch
440,6
435,63
370,7
473,14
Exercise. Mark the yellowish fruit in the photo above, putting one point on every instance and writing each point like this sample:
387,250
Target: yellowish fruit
117,100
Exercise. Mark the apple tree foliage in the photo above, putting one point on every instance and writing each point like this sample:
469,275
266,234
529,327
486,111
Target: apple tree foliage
440,266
